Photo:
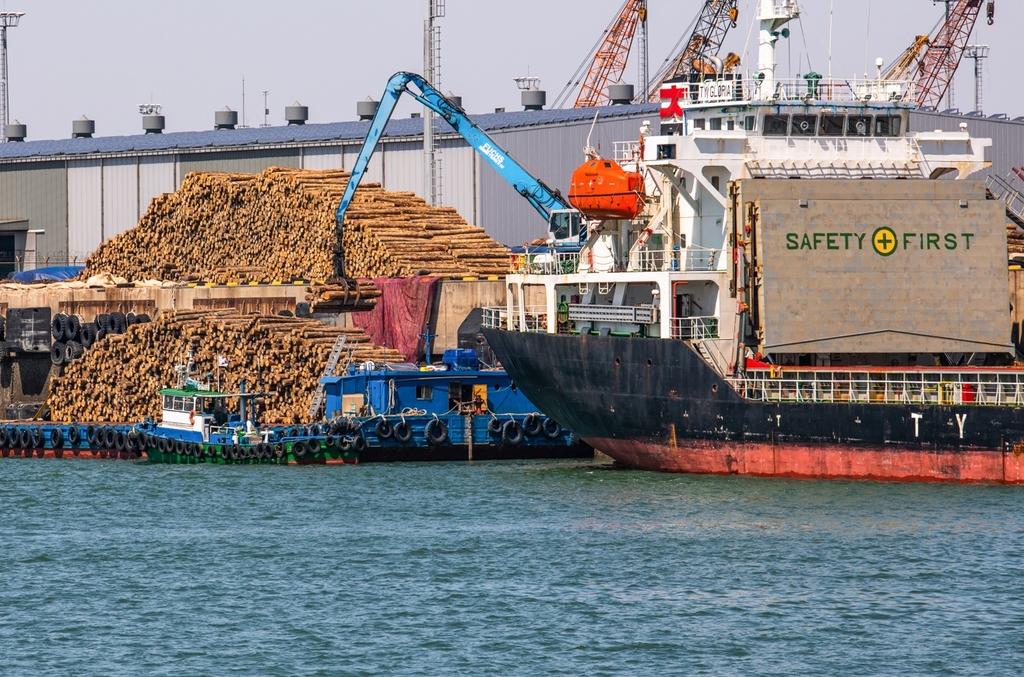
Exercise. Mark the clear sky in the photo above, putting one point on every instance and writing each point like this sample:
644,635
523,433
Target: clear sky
101,59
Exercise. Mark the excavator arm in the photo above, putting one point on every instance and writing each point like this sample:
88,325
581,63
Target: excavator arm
537,193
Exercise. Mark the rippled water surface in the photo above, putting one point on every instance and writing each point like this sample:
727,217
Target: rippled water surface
113,567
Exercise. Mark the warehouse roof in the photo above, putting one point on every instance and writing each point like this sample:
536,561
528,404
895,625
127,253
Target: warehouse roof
313,133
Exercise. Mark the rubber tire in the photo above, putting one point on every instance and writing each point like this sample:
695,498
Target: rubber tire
224,453
57,438
384,430
512,433
120,441
551,429
298,448
494,426
279,450
109,437
90,436
359,444
57,352
533,425
118,325
435,432
25,438
74,436
37,438
403,432
103,322
58,326
179,447
74,327
3,437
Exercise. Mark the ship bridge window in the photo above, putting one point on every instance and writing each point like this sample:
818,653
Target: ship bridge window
804,125
730,125
776,125
716,123
748,123
887,126
832,125
859,126
698,123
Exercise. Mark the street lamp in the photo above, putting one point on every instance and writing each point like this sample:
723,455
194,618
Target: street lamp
7,20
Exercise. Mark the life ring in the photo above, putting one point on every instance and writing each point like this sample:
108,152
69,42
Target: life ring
533,425
384,430
436,432
494,426
551,428
192,417
403,433
511,433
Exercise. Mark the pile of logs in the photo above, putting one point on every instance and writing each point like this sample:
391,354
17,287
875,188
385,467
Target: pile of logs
280,225
1014,239
119,378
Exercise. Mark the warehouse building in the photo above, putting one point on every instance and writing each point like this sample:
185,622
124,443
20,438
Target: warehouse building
60,199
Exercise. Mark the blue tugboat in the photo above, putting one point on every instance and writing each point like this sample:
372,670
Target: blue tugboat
451,411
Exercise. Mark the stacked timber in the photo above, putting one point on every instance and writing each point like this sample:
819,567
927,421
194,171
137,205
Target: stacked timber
279,225
118,379
1014,240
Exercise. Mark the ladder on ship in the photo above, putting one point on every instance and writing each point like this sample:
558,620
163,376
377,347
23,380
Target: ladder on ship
332,362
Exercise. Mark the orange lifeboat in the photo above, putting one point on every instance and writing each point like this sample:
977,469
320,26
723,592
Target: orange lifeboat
601,189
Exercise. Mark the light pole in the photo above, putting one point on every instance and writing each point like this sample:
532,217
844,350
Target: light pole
7,20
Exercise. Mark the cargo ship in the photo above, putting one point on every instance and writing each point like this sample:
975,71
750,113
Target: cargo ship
811,290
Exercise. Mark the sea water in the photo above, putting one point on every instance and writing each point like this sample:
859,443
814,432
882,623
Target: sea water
513,568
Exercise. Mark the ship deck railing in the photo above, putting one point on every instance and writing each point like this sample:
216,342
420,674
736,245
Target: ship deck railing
736,88
924,386
694,328
657,258
536,319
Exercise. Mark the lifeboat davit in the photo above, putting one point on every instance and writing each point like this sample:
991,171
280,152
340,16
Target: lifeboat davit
601,189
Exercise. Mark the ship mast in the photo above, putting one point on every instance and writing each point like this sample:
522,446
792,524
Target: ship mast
773,15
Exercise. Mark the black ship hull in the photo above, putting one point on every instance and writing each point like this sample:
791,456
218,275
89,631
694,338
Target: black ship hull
655,404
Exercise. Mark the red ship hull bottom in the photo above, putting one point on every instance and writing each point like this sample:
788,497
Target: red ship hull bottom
818,461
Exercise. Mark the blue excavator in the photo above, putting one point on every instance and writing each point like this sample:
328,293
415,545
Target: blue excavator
565,224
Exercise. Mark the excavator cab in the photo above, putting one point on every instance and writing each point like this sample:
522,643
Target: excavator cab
566,227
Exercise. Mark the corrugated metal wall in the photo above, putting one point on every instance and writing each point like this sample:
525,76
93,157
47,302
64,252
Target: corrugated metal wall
328,157
156,177
38,193
120,195
403,165
247,161
85,208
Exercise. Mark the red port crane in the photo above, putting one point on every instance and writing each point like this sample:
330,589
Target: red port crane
942,58
714,21
607,61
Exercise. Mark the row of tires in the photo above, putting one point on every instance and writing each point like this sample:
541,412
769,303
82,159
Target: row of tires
35,437
512,432
72,335
263,451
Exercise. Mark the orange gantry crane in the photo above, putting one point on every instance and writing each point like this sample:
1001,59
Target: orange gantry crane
942,58
607,60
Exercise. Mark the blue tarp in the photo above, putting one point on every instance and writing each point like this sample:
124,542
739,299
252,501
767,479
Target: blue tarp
48,274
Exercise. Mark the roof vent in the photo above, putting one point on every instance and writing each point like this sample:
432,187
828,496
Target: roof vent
296,114
15,131
620,94
499,110
534,99
225,118
152,121
454,98
367,109
414,115
82,128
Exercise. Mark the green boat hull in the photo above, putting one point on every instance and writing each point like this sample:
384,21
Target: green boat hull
244,455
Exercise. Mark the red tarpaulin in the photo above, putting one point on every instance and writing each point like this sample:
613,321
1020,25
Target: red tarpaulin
401,313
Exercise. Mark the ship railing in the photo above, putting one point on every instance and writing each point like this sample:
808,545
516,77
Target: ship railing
973,387
536,319
805,90
548,263
695,328
657,258
626,151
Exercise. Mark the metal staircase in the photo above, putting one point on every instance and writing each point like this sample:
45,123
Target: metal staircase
1002,189
332,362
